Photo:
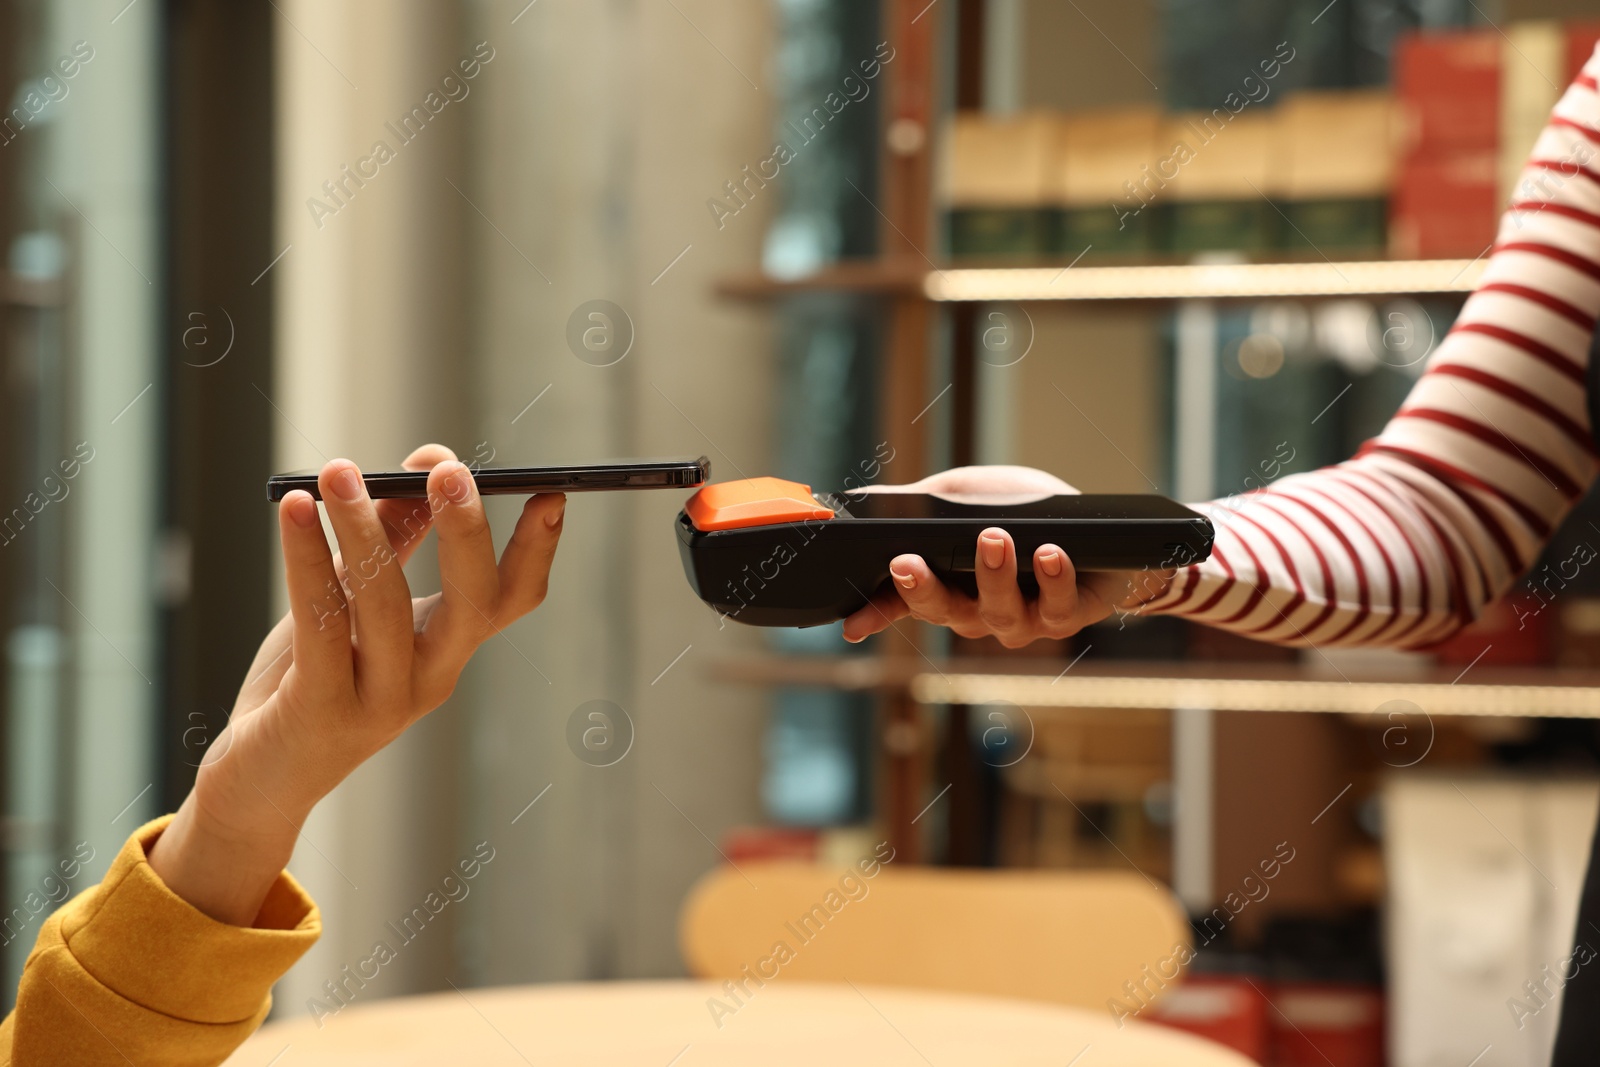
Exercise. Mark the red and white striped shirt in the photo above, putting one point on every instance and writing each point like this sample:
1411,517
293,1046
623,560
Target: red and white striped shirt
1442,511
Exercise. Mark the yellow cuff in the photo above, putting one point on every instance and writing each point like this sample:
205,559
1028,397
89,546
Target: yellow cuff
155,949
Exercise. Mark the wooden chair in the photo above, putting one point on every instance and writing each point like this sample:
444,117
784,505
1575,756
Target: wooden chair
1067,937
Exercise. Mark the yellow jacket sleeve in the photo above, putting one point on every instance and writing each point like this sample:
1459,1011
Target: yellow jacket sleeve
128,973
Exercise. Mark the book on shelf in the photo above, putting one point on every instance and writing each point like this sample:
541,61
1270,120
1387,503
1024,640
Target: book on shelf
1107,181
998,186
1420,171
1340,153
1223,179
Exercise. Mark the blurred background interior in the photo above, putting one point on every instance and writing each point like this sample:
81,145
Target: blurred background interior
212,274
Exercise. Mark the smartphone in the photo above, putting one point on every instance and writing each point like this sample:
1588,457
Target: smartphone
522,481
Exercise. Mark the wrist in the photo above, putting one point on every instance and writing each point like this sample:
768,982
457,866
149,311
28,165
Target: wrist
261,784
224,871
1127,592
1153,585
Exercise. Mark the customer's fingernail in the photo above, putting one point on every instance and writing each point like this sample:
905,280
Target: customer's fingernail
904,581
303,510
553,519
993,550
347,485
458,484
1050,563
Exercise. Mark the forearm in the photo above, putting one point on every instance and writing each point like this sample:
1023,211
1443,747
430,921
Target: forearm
1456,498
1350,555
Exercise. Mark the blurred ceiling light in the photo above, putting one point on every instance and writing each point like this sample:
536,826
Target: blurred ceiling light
1260,355
1341,330
1287,320
1401,334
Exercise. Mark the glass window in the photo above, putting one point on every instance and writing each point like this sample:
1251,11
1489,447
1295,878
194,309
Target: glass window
81,409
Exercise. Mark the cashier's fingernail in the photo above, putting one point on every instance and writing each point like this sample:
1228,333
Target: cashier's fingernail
993,550
1050,563
553,519
906,580
347,485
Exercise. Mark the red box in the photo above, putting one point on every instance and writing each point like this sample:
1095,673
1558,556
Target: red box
1581,39
756,843
1448,85
1223,1008
1516,630
1446,205
1317,1023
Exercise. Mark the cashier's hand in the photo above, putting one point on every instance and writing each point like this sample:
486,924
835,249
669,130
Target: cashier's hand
1067,602
356,662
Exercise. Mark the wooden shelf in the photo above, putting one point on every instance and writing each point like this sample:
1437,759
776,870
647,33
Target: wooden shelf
1136,282
1529,699
869,672
1207,281
1537,692
869,277
848,673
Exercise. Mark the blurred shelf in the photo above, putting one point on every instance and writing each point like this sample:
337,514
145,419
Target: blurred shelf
869,672
849,673
1176,281
869,277
18,290
1529,698
1527,692
1208,281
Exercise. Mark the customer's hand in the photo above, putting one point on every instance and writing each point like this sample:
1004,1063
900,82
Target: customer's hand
1067,601
355,662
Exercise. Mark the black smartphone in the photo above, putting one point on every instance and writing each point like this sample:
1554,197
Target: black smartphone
522,481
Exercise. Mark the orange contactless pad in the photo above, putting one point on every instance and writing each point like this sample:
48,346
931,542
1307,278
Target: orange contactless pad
753,502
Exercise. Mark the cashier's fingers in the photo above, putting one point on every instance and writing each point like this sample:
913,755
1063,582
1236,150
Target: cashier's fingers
1064,606
913,590
921,595
1000,605
881,612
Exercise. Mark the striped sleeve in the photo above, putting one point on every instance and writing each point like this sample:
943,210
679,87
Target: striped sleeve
1442,511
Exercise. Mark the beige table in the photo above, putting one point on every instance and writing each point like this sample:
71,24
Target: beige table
657,1024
